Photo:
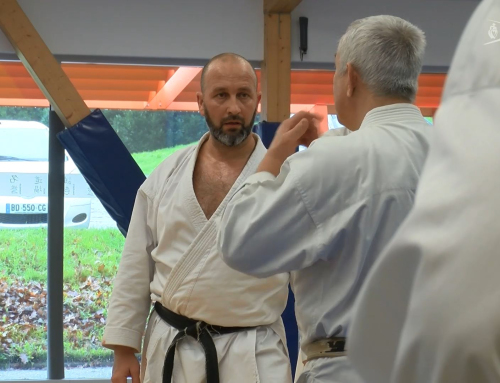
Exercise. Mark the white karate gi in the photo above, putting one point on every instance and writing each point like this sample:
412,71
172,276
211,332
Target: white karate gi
430,310
170,256
326,217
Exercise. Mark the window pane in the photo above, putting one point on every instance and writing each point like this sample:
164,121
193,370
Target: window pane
93,247
333,122
23,242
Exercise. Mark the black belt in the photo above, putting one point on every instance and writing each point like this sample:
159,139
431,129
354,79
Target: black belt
198,330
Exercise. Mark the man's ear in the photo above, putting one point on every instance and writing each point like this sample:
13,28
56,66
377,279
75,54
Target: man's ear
352,79
199,99
259,97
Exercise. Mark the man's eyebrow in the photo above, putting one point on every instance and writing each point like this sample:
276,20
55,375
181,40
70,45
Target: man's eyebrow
219,89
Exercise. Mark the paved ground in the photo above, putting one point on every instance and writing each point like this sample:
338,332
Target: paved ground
70,373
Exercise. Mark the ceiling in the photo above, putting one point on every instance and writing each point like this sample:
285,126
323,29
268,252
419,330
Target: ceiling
174,88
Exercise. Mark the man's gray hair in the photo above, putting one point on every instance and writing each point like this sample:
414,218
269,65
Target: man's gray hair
387,51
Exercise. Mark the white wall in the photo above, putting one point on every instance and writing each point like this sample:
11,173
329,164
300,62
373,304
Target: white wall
442,22
191,31
186,29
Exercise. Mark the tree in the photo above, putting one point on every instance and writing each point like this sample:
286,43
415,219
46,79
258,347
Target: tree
143,131
140,130
184,128
25,114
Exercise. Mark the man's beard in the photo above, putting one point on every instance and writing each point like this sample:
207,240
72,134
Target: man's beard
232,138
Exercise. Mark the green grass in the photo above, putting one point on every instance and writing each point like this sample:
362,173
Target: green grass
96,252
87,252
34,351
148,161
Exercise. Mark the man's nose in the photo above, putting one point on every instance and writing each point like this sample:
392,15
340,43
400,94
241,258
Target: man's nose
233,106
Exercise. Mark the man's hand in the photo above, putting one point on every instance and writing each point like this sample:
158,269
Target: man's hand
125,365
301,129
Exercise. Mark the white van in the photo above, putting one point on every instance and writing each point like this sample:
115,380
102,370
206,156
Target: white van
24,179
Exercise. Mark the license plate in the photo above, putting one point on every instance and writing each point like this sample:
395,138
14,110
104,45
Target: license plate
26,208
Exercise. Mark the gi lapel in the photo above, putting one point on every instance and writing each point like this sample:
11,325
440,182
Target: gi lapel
207,235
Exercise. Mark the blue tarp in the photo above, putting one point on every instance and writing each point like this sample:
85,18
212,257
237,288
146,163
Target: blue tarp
106,164
266,131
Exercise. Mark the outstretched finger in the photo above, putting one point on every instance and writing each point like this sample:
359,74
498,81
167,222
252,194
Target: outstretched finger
297,117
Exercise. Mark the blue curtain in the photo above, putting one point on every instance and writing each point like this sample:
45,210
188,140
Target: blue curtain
266,131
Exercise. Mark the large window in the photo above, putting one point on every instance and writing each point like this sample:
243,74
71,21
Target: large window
23,238
92,243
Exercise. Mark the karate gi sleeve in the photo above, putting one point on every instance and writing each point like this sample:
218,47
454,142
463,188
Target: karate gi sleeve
270,227
130,300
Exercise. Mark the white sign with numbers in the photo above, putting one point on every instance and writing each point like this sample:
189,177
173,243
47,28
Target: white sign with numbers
33,185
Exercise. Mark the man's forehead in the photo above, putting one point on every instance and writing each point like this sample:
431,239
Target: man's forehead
223,75
230,71
227,84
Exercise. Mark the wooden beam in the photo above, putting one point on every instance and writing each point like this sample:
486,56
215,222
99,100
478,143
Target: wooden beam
184,106
116,72
41,64
428,112
276,67
321,99
34,102
173,87
280,6
112,104
427,102
295,108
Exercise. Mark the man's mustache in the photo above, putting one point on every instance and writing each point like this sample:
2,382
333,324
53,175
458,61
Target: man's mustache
232,119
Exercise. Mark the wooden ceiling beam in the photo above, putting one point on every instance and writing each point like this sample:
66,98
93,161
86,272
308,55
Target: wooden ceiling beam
41,64
172,88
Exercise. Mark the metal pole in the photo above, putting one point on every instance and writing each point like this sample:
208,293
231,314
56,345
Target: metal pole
55,241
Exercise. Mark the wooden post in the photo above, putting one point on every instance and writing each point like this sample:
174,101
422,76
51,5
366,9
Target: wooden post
276,67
